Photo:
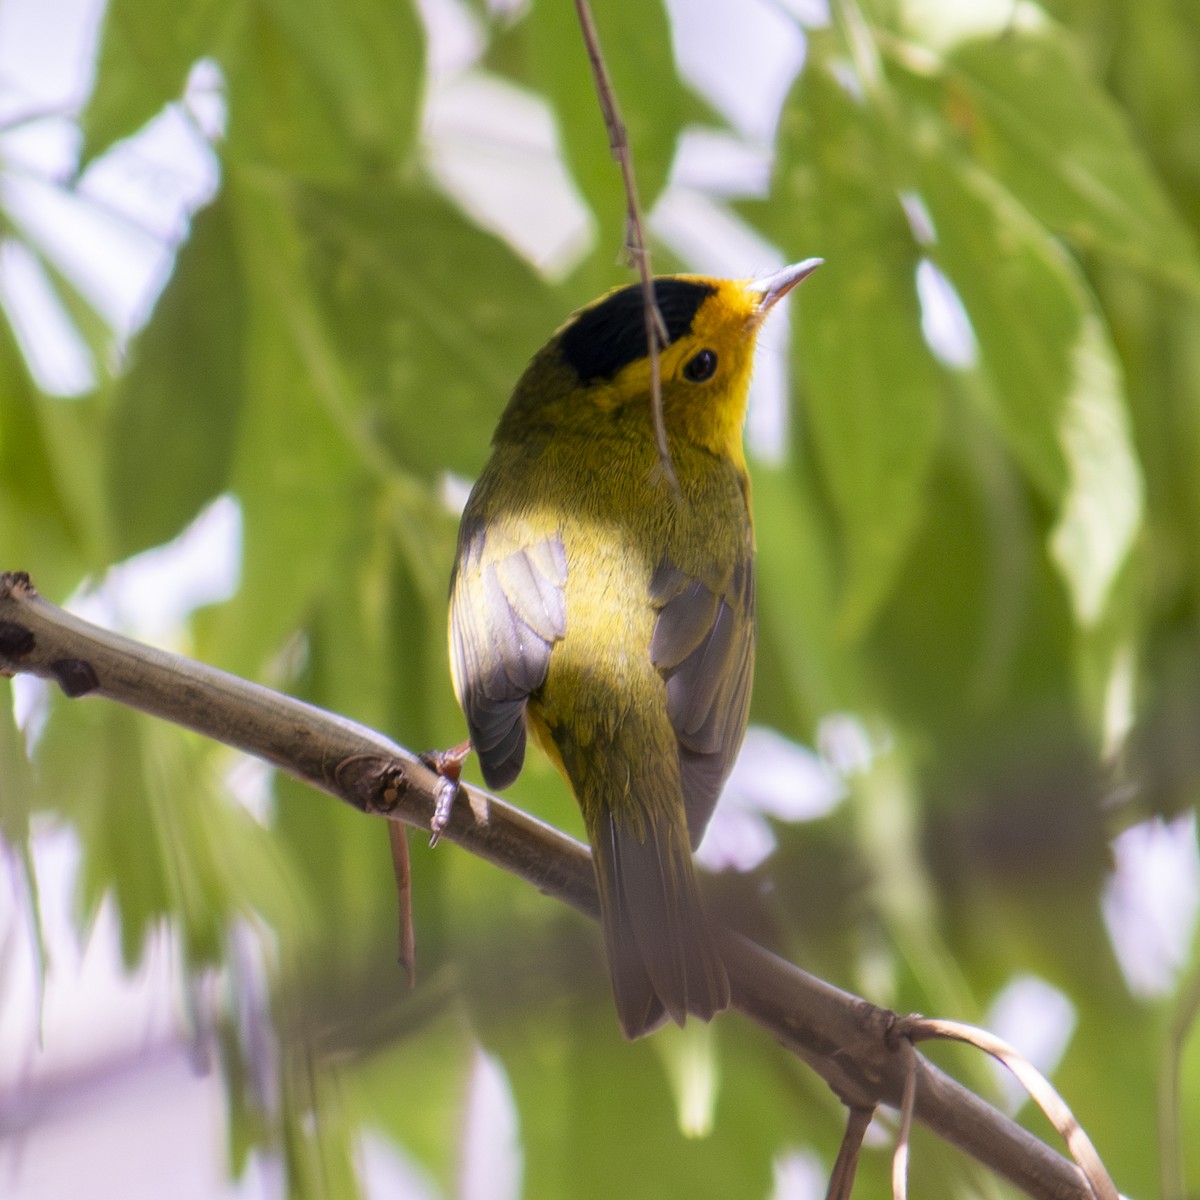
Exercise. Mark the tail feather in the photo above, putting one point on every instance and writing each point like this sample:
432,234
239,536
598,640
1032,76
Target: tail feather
661,955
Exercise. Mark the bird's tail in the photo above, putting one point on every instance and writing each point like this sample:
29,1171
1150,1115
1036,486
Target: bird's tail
662,958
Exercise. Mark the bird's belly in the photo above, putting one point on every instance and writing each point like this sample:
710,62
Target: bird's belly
601,671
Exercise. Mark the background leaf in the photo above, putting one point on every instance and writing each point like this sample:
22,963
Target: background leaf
146,52
1024,104
174,427
873,394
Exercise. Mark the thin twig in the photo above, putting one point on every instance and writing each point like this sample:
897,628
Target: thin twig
841,1178
904,1136
1034,1082
847,1041
635,240
406,940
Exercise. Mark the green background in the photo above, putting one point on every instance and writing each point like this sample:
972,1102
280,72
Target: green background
965,558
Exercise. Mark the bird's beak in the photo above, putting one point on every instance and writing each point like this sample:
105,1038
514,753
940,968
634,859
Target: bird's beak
772,288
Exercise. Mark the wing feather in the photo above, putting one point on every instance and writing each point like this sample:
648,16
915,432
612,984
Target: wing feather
703,644
506,614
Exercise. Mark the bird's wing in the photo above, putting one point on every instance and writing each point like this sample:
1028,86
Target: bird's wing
703,645
506,613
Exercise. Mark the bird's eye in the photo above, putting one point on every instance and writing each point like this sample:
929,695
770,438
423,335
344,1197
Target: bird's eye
701,367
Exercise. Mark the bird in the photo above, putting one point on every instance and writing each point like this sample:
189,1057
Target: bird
611,616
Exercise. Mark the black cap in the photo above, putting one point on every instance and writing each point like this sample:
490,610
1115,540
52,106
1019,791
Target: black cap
611,333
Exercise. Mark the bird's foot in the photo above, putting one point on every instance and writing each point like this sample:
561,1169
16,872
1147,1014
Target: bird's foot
447,765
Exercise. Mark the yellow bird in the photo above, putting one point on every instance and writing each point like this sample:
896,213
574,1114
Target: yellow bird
613,619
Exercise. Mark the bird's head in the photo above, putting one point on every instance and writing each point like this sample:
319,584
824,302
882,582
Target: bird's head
598,359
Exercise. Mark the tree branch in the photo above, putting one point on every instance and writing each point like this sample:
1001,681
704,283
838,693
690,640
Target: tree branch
846,1040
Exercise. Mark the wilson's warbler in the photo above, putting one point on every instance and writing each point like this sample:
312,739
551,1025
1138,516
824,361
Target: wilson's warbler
614,619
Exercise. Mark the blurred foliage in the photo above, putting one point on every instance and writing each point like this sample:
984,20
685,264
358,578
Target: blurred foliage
970,554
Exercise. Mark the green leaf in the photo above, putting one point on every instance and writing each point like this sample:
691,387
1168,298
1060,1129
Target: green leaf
147,48
1155,82
40,526
360,310
292,468
1048,369
323,90
278,117
546,51
427,1114
463,317
92,773
26,472
316,1136
310,81
51,478
598,1118
176,410
366,59
976,564
156,836
1025,305
1027,110
800,673
1102,510
16,783
871,391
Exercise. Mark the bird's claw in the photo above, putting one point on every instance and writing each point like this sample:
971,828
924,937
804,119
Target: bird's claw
447,764
447,789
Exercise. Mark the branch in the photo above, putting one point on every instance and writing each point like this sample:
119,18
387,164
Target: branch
847,1041
635,238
